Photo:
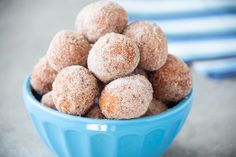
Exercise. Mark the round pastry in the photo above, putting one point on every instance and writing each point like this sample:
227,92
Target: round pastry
112,56
99,18
74,90
95,112
68,48
173,81
47,100
156,107
151,42
42,77
127,97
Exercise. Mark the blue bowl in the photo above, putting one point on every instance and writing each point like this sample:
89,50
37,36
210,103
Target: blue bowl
72,136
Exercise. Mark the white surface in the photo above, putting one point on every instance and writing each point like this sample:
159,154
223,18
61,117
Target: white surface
201,25
164,7
203,49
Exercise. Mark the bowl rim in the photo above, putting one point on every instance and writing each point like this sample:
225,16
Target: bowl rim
27,93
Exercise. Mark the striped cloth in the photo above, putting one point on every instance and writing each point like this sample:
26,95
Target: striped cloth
201,32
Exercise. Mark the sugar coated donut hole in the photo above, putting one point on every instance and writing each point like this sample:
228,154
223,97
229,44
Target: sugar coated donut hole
112,56
47,100
68,48
152,44
173,81
156,107
74,90
99,18
127,97
95,112
42,77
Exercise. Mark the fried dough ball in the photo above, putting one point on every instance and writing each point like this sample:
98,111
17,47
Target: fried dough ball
74,90
42,77
173,81
68,48
47,100
112,56
127,97
152,44
99,18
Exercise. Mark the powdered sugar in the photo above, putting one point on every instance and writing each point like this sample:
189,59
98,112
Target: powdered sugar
74,90
173,81
112,56
151,42
47,100
68,48
127,97
99,18
42,76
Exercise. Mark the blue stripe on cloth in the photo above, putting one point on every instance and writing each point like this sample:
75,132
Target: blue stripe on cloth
137,16
196,30
222,75
221,68
203,36
195,57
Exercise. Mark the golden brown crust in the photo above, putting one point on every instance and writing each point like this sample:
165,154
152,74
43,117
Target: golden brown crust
74,90
47,100
127,97
99,18
113,56
68,48
42,77
107,102
173,81
151,42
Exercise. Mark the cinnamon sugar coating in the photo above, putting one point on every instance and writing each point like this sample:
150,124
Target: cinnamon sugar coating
99,18
47,100
107,69
74,90
127,97
112,56
173,81
42,77
68,48
152,44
